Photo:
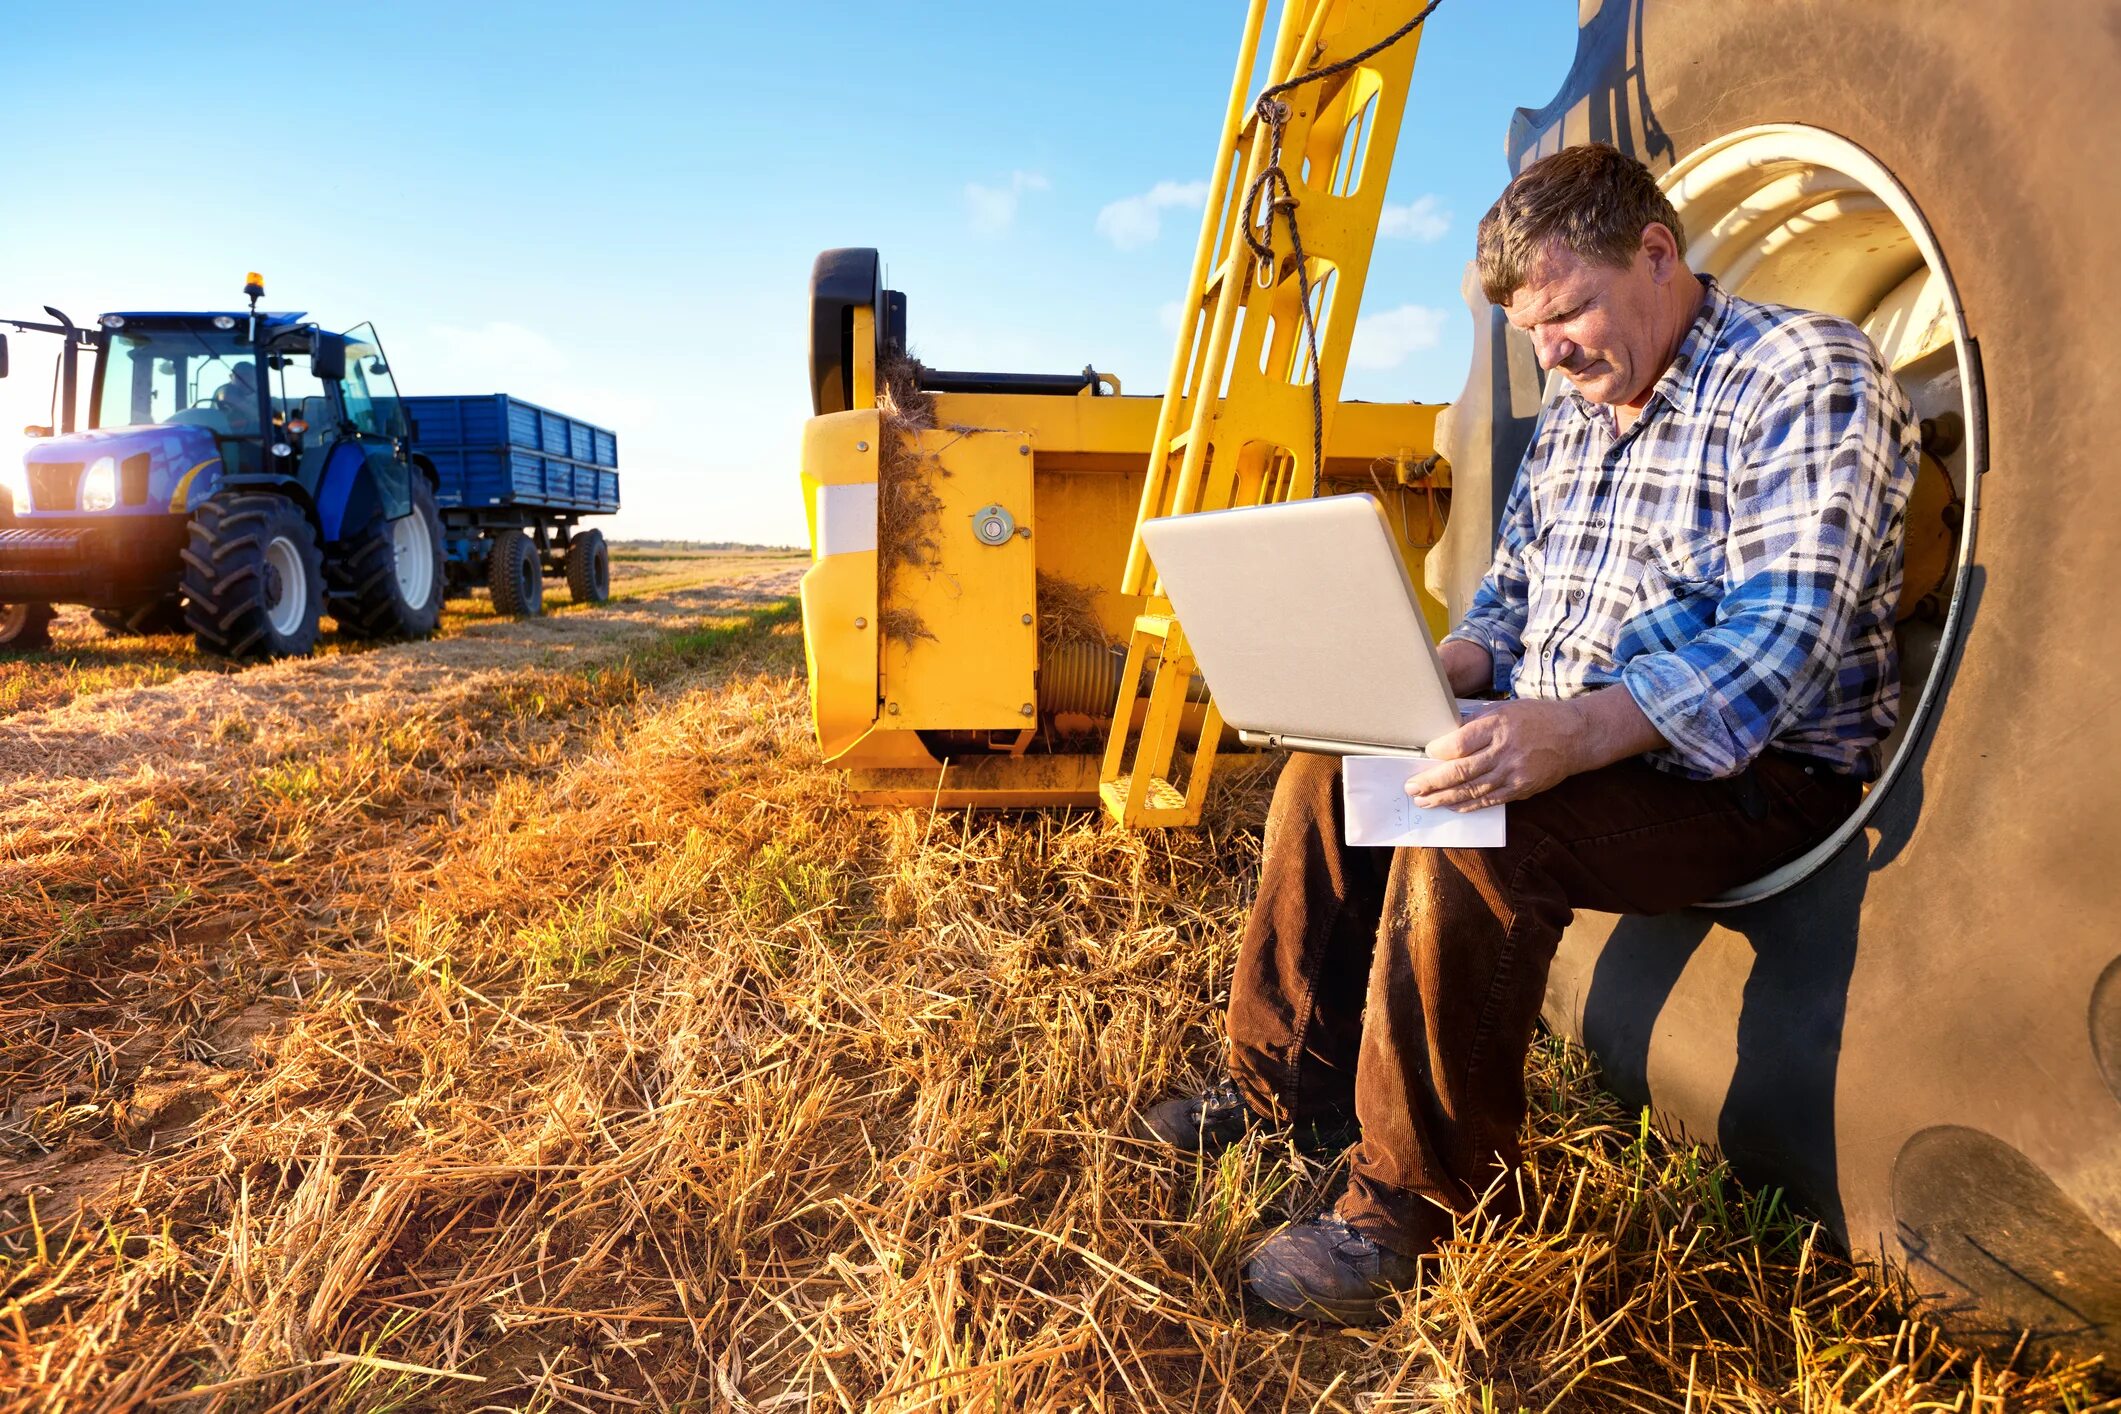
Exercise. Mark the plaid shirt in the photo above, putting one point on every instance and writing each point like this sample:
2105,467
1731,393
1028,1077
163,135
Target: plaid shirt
1733,559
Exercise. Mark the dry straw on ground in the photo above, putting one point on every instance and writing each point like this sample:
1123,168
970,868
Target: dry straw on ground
907,503
559,1039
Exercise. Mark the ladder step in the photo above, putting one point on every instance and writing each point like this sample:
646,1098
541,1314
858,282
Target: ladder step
1162,795
1153,625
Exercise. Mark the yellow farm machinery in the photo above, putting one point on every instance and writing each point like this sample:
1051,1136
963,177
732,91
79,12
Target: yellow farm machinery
1916,1028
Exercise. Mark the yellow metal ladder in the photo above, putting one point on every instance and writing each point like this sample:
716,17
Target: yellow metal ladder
1241,417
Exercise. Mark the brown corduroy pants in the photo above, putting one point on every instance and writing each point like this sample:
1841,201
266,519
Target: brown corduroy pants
1403,984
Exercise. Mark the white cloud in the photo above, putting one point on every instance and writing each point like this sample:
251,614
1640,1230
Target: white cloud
993,209
1389,337
1169,315
1422,219
1135,221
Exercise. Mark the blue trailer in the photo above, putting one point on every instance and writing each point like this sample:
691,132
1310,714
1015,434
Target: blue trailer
244,473
515,481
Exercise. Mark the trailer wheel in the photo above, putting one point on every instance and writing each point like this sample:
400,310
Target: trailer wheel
386,579
515,576
253,578
25,626
589,567
165,615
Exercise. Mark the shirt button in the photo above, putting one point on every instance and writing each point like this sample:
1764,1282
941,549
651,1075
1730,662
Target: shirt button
1575,596
1598,522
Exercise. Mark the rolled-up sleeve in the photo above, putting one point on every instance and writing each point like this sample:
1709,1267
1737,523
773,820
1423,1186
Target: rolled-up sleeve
1495,620
1816,497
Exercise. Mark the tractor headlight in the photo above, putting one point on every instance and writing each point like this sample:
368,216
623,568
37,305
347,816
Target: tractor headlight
14,480
99,487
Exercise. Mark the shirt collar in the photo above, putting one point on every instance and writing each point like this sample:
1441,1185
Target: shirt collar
1680,383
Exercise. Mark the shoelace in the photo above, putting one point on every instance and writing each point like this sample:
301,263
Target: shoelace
1221,1100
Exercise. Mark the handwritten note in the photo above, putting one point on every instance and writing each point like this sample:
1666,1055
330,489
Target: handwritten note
1380,812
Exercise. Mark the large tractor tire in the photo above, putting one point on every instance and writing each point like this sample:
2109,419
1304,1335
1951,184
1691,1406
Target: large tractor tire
1917,1032
253,578
24,627
588,567
386,579
516,576
156,616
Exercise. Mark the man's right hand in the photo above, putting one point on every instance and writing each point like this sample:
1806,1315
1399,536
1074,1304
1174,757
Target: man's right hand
1468,666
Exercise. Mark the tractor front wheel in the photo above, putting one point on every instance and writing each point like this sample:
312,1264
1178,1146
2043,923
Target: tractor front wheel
589,567
25,626
386,579
516,576
253,578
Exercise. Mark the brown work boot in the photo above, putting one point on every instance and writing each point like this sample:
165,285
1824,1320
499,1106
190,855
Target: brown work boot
1217,1117
1324,1270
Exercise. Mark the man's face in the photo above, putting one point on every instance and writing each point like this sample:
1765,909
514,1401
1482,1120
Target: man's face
1602,326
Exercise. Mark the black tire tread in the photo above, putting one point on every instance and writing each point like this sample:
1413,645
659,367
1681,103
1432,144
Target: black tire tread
589,567
360,579
218,563
512,549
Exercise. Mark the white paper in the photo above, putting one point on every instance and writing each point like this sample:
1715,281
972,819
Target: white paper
1380,812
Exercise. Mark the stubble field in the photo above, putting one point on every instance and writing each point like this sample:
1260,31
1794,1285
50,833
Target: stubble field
522,1020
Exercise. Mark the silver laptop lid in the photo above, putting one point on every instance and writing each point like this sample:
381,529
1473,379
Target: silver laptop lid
1305,624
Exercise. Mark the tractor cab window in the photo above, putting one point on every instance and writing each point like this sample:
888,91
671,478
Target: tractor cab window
370,391
298,395
201,377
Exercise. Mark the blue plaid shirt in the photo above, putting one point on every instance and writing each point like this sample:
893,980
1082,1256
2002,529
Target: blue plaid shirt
1733,559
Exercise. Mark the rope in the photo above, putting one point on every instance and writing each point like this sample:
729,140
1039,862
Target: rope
1259,234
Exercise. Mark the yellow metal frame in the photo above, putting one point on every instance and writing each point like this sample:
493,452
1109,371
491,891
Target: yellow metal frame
1235,426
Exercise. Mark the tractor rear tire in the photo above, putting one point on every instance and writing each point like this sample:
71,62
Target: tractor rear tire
516,576
141,620
386,579
1921,1040
24,627
589,567
253,578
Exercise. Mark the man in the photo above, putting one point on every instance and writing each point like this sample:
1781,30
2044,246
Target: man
237,400
1691,610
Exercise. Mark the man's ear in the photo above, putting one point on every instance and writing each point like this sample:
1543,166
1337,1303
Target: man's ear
1662,249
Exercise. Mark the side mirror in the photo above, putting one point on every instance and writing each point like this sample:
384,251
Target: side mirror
327,356
3,355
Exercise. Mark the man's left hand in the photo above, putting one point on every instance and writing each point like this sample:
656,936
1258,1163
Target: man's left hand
1508,752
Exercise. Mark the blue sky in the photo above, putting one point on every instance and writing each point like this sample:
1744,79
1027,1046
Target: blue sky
613,209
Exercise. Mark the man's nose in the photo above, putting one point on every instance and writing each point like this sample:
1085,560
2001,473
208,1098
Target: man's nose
1551,348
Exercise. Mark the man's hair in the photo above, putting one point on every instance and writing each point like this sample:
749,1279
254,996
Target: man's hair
1593,199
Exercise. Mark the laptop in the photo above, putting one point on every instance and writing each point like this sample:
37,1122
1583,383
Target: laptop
1305,624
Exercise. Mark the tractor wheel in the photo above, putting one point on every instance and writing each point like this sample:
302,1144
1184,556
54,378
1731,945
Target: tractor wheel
589,567
253,578
516,576
385,580
153,617
24,627
1917,1029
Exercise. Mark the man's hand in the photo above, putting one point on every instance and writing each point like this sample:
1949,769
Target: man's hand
1468,666
1522,747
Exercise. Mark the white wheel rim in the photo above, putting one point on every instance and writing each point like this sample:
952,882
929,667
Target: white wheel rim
412,552
290,582
1799,216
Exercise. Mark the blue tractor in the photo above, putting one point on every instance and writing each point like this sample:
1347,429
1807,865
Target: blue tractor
242,474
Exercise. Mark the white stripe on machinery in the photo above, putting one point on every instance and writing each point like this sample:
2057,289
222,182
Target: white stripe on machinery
846,518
